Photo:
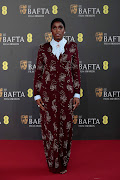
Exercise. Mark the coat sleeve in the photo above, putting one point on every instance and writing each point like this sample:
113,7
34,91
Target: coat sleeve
76,70
38,72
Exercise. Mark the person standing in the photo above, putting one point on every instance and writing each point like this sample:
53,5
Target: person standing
57,85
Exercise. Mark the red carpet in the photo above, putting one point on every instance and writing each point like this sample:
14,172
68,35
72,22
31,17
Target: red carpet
89,160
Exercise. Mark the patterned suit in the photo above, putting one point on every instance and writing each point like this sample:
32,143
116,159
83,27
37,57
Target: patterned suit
57,81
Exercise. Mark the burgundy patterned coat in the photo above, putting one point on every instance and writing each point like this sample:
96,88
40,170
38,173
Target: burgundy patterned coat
56,81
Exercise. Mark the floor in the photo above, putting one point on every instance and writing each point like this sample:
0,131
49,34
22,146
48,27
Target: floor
89,160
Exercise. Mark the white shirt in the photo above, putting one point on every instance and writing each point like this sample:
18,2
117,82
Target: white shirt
57,49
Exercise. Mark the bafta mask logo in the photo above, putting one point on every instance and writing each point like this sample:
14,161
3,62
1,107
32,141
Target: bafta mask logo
98,92
75,118
0,37
24,119
73,8
23,9
48,36
99,36
1,92
23,64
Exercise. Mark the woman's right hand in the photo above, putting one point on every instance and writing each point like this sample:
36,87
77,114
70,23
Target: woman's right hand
40,103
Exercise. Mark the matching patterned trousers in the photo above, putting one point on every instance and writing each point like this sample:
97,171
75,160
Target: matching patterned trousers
57,131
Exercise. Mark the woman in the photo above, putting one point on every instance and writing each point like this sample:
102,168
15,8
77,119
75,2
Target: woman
56,90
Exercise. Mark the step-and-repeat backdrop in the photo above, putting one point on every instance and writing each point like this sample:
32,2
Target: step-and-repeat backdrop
95,27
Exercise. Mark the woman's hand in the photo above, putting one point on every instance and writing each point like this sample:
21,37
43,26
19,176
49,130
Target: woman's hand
76,102
40,103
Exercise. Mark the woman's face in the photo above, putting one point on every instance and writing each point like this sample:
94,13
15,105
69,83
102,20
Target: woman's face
57,31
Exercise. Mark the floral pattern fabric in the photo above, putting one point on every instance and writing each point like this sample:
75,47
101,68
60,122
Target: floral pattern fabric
56,81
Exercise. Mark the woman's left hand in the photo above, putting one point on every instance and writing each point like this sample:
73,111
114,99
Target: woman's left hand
76,102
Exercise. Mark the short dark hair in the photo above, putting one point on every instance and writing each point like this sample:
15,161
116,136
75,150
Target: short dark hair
58,19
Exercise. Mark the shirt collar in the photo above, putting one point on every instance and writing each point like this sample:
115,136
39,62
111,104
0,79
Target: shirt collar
62,42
